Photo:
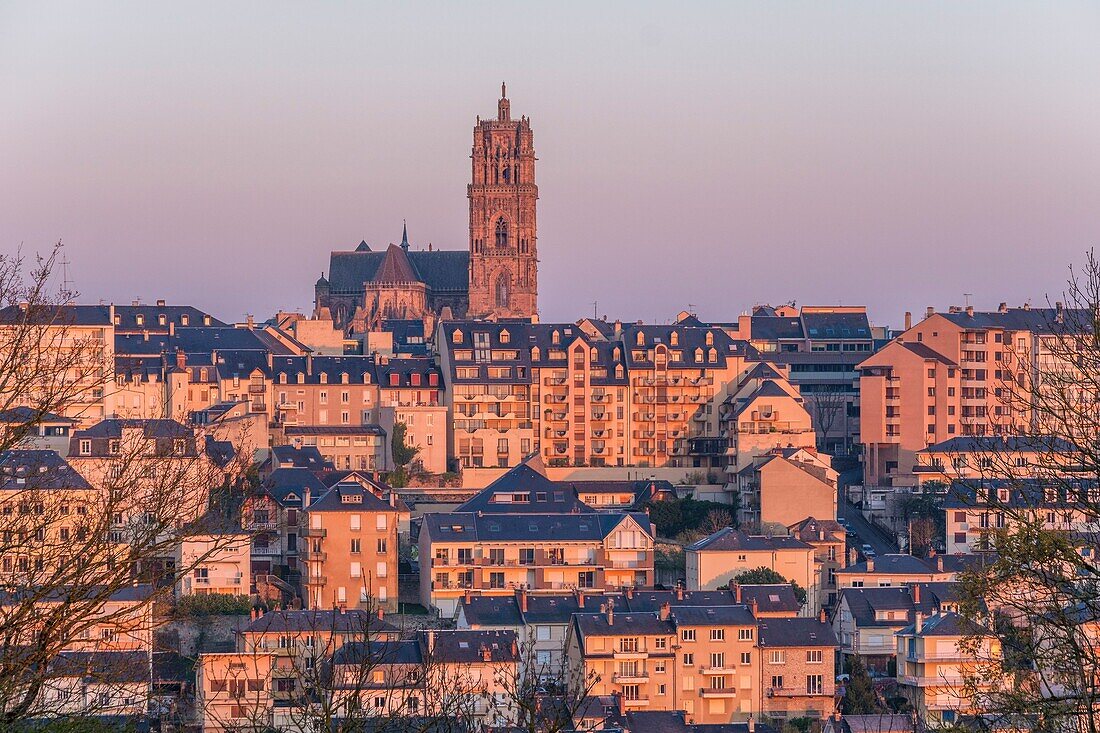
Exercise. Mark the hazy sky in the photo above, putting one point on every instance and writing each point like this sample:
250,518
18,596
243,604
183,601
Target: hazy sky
720,154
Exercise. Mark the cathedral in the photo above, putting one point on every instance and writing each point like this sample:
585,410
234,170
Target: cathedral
496,277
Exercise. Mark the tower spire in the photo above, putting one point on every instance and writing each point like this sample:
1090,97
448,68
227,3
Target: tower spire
404,236
503,91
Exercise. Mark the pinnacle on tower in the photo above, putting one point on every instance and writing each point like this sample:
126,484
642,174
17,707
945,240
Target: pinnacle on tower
404,236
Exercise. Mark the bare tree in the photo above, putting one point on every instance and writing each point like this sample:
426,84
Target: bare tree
1036,501
828,407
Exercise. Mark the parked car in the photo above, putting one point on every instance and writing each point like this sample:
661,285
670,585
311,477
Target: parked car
868,551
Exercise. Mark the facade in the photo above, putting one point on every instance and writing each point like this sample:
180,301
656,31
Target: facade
797,658
496,277
716,560
828,538
220,563
234,692
349,548
784,485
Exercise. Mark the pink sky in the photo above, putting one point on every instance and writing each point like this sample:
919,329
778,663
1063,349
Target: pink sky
720,154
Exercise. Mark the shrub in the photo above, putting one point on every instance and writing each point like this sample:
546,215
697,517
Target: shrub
213,604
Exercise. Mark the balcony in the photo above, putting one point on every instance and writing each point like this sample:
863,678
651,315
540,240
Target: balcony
256,389
639,653
793,692
316,579
308,554
629,679
713,692
314,532
258,526
636,702
712,671
269,551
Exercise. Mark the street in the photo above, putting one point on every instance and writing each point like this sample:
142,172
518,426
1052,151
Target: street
882,542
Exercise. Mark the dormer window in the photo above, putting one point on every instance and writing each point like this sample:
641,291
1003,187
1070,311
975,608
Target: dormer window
674,339
555,338
535,353
118,319
343,377
162,319
282,377
505,337
140,319
301,378
395,379
641,339
618,371
206,321
712,356
456,337
324,377
114,447
617,354
366,377
415,379
185,320
433,379
85,447
710,338
698,355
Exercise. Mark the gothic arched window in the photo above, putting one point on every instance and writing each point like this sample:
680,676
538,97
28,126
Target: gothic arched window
501,291
502,232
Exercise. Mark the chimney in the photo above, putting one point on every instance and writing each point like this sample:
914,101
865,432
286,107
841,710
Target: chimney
908,320
160,303
737,593
929,312
665,610
620,703
381,614
970,311
523,600
393,498
755,607
431,640
270,360
821,535
918,621
248,320
253,614
171,328
181,359
466,595
870,564
309,364
1002,308
610,611
486,653
821,616
916,594
939,564
1060,315
580,597
752,725
679,592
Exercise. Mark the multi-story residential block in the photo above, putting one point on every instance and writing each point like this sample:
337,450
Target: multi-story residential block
119,620
411,394
975,509
215,563
827,537
797,660
866,619
718,559
945,666
110,687
717,663
346,447
783,486
525,531
763,412
888,570
24,428
273,517
959,373
349,549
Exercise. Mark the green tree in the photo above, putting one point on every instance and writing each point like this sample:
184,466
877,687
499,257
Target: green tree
767,576
859,693
403,453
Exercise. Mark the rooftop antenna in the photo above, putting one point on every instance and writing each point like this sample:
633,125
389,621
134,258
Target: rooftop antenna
595,305
691,308
966,297
66,283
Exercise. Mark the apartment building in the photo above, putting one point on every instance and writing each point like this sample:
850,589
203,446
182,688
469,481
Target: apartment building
411,393
214,563
994,457
783,486
119,620
866,619
349,547
763,412
952,374
717,560
975,509
797,659
945,664
112,687
273,517
828,538
24,428
888,570
590,394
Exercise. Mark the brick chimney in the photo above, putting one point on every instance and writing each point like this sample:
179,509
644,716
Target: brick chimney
908,320
821,616
620,703
466,595
939,564
486,653
381,613
679,592
666,609
431,640
580,597
181,359
737,592
918,621
916,594
630,592
522,593
755,607
752,725
610,611
870,564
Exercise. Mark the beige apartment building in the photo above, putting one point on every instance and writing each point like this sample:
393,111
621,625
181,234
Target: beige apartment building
717,560
828,538
349,548
958,373
797,663
233,692
785,485
214,563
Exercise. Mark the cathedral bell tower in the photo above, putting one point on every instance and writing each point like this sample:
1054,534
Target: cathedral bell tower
503,194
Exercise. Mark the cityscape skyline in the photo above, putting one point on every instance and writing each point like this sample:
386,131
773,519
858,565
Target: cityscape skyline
874,153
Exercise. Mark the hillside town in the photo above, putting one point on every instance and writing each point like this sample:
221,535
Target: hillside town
422,507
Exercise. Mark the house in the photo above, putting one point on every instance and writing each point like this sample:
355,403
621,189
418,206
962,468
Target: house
233,692
785,485
717,560
828,538
798,657
214,563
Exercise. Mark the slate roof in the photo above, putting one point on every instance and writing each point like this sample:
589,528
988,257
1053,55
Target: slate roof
527,479
809,529
824,324
406,651
38,469
349,497
926,352
712,616
105,667
285,481
304,457
492,610
520,527
776,328
771,598
100,315
395,267
673,721
943,624
652,600
1022,493
441,270
781,632
894,564
465,646
595,624
729,539
1000,444
331,621
157,428
291,430
1036,320
203,339
22,415
863,602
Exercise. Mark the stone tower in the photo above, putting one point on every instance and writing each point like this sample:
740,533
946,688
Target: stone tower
502,193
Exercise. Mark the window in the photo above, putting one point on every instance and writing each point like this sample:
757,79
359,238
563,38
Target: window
689,659
660,643
380,569
356,570
356,546
501,233
355,522
744,634
777,657
814,656
687,634
85,447
380,522
815,684
746,657
496,580
717,634
381,547
717,660
777,681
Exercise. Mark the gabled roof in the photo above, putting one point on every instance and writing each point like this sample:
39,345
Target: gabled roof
474,527
285,483
320,621
944,624
729,539
22,415
1000,444
349,497
470,646
21,470
441,270
596,624
113,427
893,564
526,489
786,632
712,616
304,457
102,666
810,529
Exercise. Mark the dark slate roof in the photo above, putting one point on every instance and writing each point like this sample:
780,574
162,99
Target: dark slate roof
1022,493
297,481
775,632
729,539
332,621
492,611
672,721
688,340
126,594
466,646
1036,320
652,600
305,457
863,602
595,624
809,529
423,369
713,616
290,430
199,340
771,598
38,469
527,479
892,565
441,270
999,444
833,325
106,667
22,415
332,367
520,527
926,352
542,608
943,624
158,428
349,497
100,315
775,328
406,651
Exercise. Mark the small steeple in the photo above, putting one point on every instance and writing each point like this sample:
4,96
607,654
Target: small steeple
404,236
504,107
